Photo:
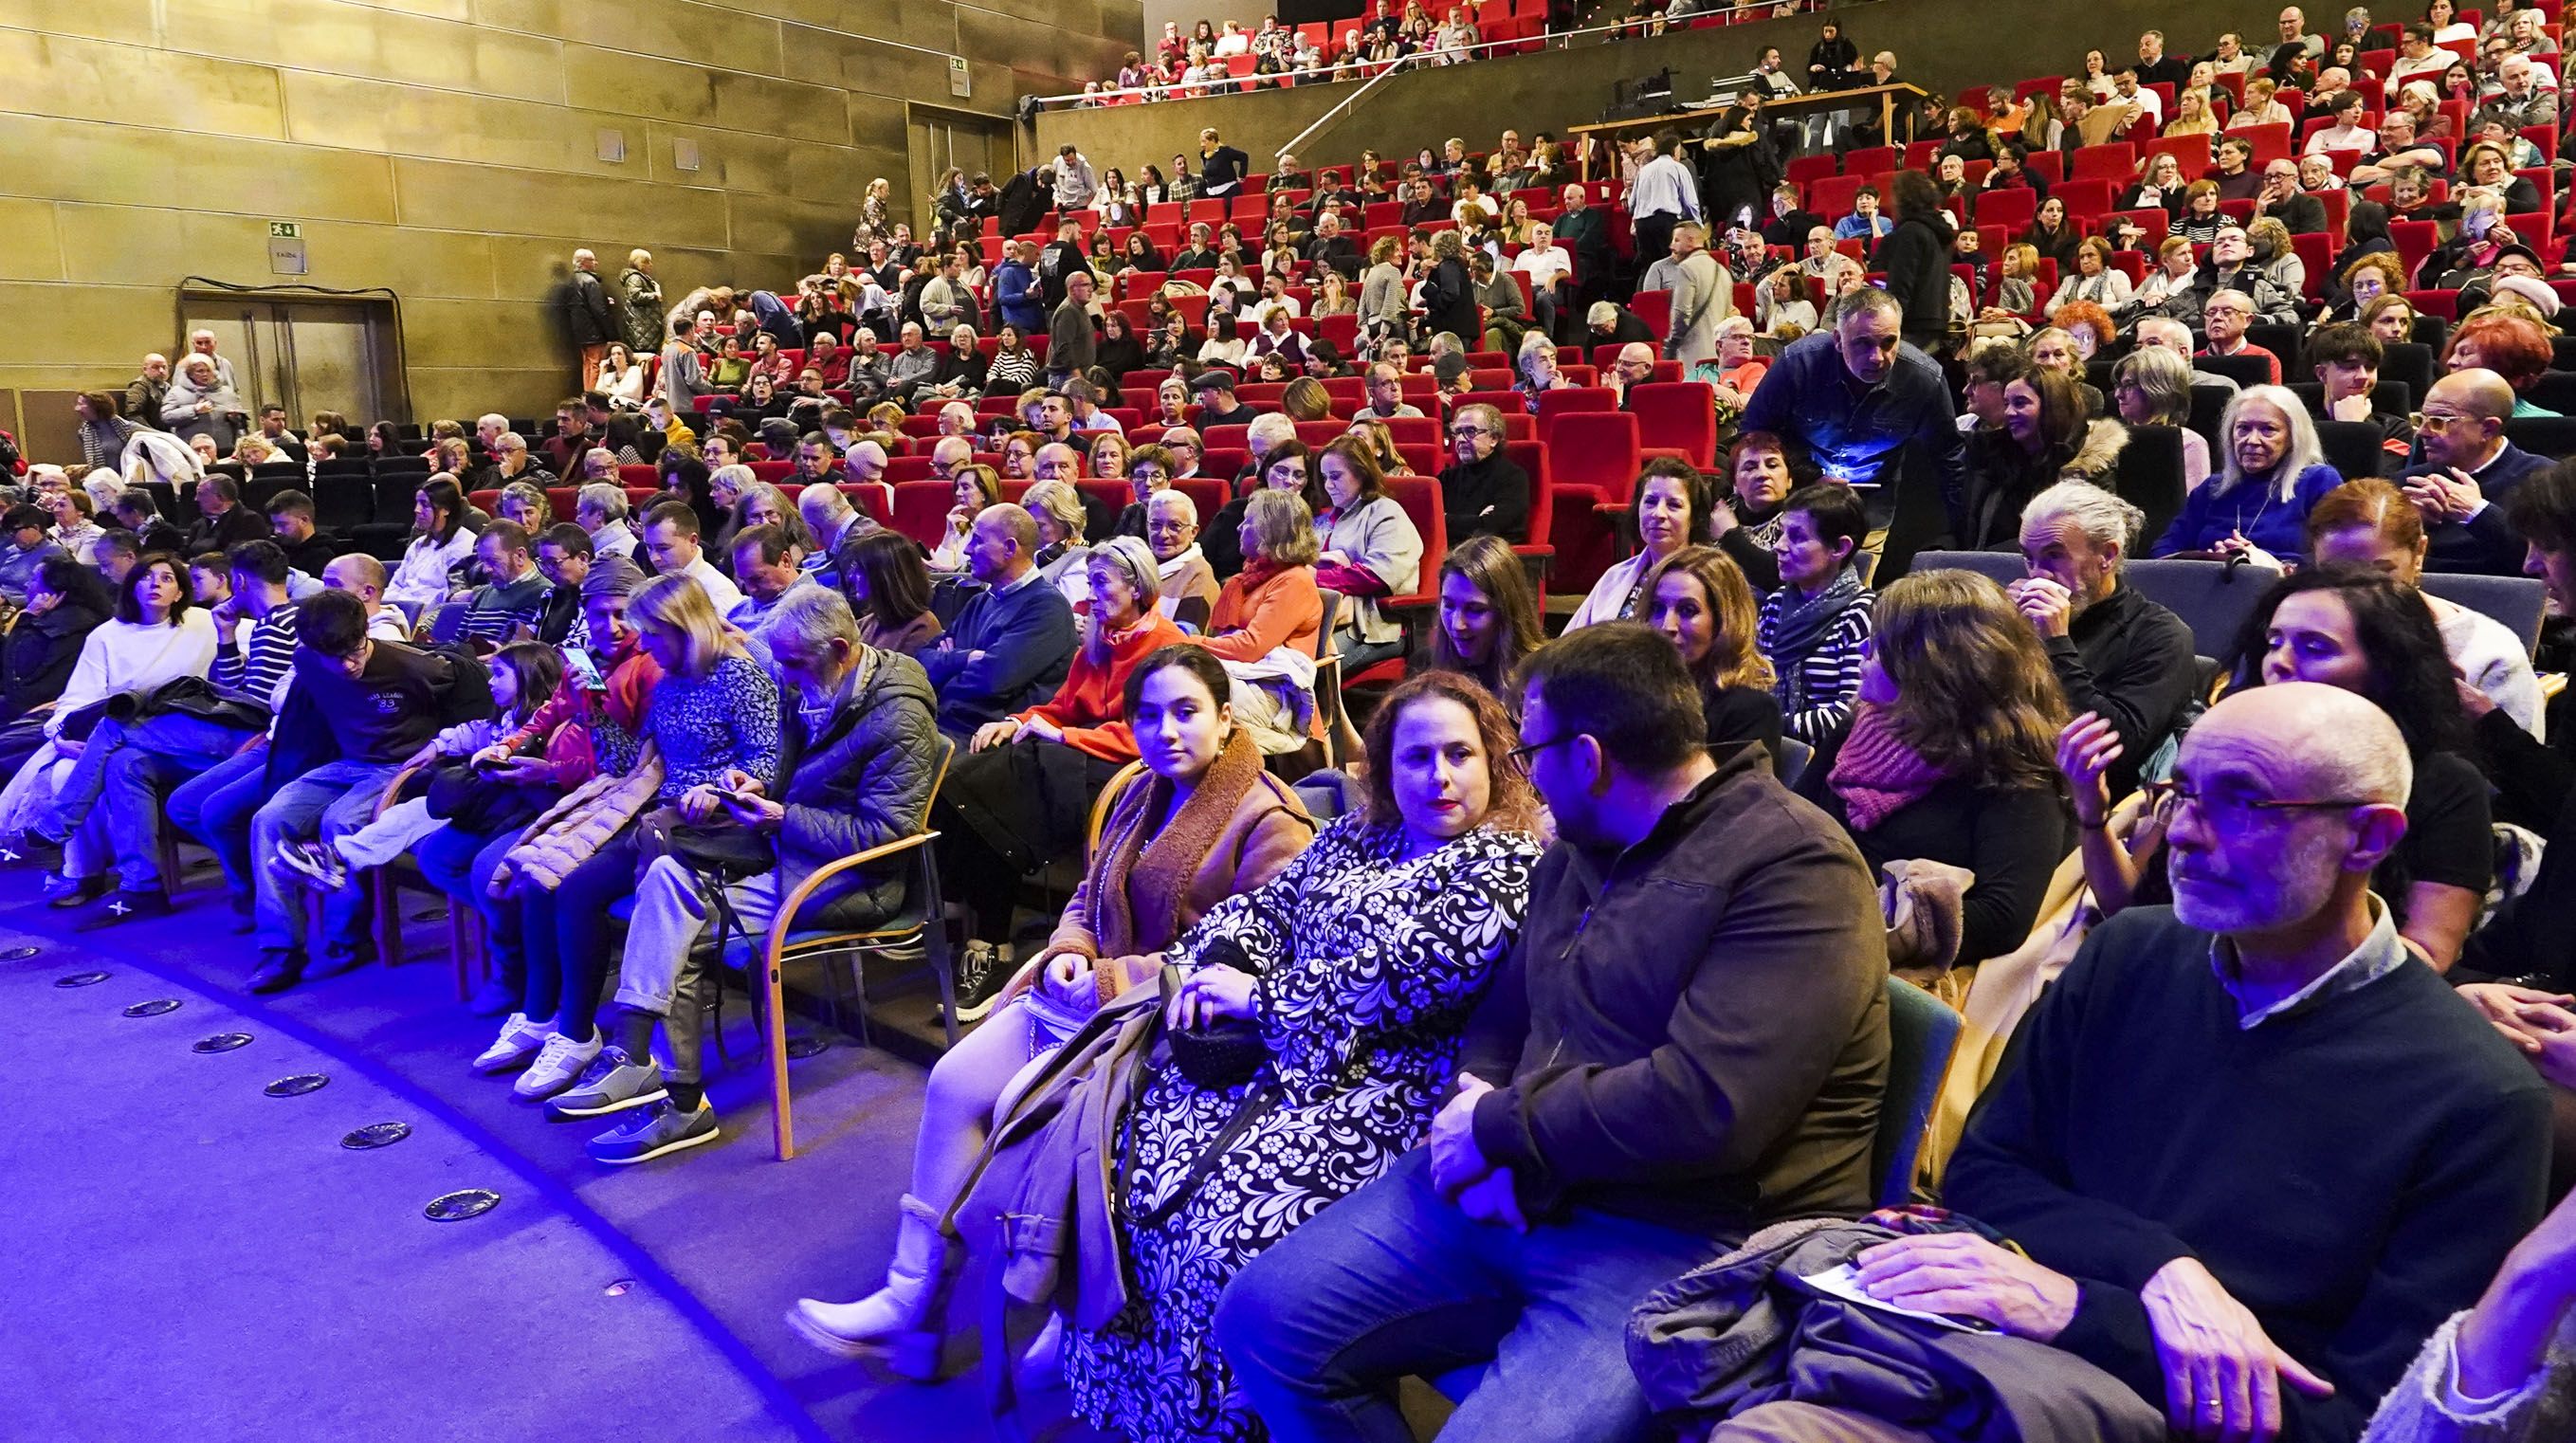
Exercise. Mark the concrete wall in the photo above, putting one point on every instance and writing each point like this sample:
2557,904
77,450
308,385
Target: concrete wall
448,149
1941,45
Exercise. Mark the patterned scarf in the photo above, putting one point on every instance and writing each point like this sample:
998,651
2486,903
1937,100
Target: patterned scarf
1800,621
1877,774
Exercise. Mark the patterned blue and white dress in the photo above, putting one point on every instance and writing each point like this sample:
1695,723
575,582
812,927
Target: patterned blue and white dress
1370,964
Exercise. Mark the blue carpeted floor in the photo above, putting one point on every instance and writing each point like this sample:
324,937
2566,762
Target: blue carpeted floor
190,1258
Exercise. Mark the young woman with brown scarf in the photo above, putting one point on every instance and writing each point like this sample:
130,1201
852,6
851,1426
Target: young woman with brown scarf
1204,822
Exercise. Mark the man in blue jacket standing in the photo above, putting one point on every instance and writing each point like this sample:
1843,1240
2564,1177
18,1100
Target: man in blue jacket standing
1016,291
1012,644
1858,397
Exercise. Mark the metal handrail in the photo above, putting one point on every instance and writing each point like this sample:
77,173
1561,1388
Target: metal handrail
1241,84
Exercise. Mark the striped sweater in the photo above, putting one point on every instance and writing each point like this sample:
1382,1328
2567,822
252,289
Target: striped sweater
1816,687
255,668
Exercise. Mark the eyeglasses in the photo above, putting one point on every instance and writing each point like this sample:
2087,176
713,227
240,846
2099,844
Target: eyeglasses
1525,754
2232,810
1457,431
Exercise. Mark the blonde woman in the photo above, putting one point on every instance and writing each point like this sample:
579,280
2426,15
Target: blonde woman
2191,116
710,728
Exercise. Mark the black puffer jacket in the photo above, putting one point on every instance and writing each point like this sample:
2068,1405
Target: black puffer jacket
861,782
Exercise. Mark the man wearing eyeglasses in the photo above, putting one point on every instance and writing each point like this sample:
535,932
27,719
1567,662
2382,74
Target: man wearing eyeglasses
2468,475
1482,492
2251,1151
1688,1042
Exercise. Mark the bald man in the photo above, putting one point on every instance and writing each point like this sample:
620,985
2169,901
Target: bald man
1013,641
2467,475
2268,1026
950,453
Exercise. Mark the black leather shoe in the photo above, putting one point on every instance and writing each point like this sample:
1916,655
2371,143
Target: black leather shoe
279,969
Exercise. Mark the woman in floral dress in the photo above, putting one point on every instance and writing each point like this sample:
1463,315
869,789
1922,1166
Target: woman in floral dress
1368,954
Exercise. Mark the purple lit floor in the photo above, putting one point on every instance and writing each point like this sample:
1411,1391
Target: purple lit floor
189,1258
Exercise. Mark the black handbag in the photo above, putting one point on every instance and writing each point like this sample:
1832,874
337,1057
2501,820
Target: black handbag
1224,1054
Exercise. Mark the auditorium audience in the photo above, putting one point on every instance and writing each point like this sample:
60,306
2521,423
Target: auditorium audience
856,763
1360,990
1421,1094
2222,1304
1948,756
1699,600
2256,505
358,709
1021,795
1369,550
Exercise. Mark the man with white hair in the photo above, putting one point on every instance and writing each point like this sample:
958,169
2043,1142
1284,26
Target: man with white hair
201,342
2181,1067
1550,268
487,433
601,510
2125,661
587,310
957,419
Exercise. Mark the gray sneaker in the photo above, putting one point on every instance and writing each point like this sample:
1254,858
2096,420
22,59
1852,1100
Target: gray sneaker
658,1129
611,1083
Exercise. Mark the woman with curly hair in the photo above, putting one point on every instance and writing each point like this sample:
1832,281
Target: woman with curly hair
1950,756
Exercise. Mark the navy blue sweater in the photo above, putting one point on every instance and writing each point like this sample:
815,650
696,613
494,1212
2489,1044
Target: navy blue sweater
2485,543
1005,652
2352,1170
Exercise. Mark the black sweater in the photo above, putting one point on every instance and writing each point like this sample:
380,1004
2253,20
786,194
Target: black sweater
2012,838
2352,1171
1486,498
2131,660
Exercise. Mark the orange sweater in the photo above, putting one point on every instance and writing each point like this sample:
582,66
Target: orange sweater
1091,706
1263,608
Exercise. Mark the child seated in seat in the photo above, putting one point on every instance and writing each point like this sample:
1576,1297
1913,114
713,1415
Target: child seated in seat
453,782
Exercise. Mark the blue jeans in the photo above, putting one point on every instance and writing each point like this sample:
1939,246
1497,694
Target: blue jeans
332,800
460,864
563,936
1395,1280
215,807
124,769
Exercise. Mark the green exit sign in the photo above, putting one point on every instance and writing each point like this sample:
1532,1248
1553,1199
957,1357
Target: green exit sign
284,230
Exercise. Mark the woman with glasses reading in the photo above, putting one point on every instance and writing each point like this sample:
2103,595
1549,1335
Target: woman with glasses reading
2370,635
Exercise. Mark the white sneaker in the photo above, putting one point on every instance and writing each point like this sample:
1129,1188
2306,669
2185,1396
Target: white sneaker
519,1041
557,1067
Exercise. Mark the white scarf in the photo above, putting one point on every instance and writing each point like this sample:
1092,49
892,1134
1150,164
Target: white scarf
1169,569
